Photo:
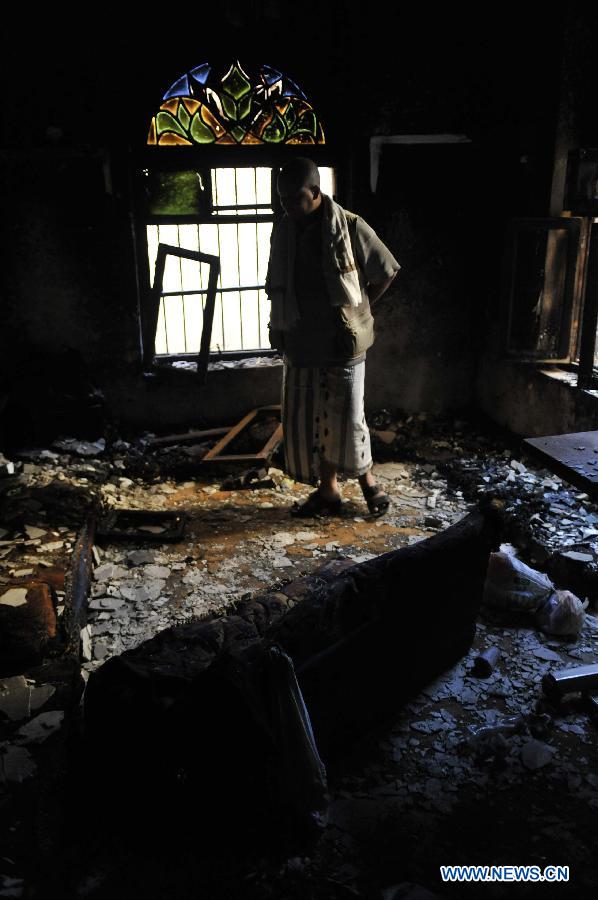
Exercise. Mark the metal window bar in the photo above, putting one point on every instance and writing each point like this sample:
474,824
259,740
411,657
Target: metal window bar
151,323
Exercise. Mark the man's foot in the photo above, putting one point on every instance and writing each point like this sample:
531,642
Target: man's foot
377,500
318,505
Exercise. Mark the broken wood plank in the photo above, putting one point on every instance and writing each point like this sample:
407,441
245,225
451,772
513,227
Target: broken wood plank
215,454
188,437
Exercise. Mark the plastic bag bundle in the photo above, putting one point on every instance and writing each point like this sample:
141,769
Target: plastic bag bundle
562,613
510,584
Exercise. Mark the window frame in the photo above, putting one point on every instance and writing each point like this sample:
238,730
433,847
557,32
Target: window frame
577,229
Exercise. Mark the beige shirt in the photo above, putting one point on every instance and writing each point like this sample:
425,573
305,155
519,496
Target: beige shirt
314,339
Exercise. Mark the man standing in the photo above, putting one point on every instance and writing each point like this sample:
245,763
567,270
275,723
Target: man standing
326,267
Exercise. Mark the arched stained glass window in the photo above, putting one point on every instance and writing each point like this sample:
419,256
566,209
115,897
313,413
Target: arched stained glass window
205,106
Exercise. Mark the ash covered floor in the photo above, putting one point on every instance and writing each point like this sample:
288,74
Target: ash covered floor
422,793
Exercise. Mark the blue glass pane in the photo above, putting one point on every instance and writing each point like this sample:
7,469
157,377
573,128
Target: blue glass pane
271,75
179,89
200,73
293,91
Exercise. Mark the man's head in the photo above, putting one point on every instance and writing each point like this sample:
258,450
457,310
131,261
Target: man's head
299,187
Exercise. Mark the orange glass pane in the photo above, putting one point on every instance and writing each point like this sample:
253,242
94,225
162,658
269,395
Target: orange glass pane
170,139
212,122
151,138
171,105
226,139
191,105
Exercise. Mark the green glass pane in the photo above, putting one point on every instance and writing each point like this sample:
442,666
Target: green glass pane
236,83
290,115
184,117
238,133
167,122
243,108
229,106
200,132
275,131
174,193
307,123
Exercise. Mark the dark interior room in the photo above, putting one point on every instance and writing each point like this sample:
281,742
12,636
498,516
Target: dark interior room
298,453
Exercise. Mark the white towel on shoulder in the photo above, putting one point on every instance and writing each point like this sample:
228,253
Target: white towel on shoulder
338,261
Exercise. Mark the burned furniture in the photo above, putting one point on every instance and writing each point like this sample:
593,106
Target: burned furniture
200,699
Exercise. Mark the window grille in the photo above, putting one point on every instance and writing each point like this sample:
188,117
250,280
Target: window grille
242,308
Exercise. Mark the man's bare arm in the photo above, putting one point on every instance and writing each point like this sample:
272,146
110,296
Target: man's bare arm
375,291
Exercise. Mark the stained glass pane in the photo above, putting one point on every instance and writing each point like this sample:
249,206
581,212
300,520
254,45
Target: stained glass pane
172,275
175,322
217,340
231,312
193,310
264,230
152,250
264,184
247,254
238,105
179,89
161,339
250,320
229,255
327,184
174,193
264,307
200,73
245,179
225,193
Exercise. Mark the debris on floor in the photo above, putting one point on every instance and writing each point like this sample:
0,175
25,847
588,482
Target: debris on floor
419,784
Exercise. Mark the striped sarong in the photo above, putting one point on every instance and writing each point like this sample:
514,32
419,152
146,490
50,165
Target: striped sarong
323,418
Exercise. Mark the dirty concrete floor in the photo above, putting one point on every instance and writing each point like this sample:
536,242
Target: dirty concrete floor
422,792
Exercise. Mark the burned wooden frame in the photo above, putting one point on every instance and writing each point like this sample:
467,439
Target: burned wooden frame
216,453
150,321
543,287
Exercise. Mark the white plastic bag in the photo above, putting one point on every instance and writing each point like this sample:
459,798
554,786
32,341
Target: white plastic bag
510,584
562,613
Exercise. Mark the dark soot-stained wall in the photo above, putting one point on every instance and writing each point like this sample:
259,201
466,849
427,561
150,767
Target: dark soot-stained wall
70,299
515,393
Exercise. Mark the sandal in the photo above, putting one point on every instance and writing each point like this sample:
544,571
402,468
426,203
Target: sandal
378,502
316,505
